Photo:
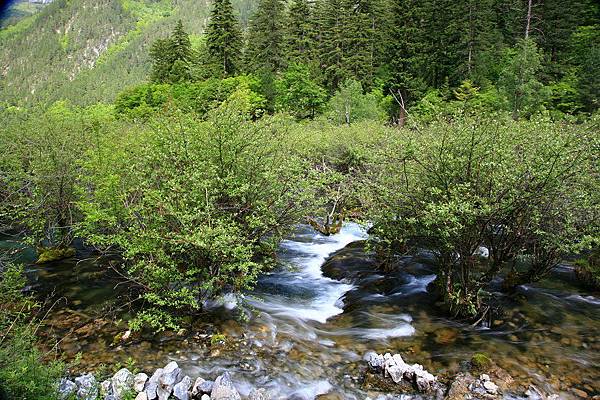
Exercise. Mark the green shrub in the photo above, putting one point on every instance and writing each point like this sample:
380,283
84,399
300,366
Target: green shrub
143,101
23,373
525,190
192,204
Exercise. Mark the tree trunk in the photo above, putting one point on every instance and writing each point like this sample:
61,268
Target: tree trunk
528,26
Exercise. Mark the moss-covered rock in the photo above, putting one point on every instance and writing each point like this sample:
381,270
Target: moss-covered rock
480,362
49,254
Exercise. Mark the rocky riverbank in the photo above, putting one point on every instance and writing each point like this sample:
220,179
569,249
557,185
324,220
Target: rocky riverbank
386,376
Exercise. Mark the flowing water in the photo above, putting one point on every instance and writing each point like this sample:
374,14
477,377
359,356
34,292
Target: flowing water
304,330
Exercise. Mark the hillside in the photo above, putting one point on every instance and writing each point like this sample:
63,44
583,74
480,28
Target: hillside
76,49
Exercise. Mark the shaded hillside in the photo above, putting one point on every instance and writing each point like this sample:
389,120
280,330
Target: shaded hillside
88,50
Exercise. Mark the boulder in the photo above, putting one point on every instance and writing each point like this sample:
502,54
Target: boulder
406,375
105,388
66,388
206,387
153,383
375,360
139,382
196,390
223,389
181,390
171,375
205,397
121,383
87,387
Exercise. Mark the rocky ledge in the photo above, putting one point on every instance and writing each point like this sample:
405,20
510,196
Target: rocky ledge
166,383
385,373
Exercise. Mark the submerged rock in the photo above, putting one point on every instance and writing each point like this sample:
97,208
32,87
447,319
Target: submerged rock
259,394
223,389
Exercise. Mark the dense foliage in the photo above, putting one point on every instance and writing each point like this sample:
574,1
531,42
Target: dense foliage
449,126
194,206
23,374
527,192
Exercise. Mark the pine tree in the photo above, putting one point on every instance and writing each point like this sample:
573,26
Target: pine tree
330,20
171,57
406,54
181,46
361,57
266,38
299,38
224,39
162,60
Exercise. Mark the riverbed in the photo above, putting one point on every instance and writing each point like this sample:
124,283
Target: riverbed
304,329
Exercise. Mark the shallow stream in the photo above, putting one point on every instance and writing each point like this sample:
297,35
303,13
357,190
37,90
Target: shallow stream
302,333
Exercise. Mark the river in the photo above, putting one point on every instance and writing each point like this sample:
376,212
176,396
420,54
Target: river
302,333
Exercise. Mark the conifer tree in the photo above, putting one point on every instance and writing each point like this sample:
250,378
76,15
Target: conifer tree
406,55
162,60
181,46
266,38
224,39
171,57
330,18
299,43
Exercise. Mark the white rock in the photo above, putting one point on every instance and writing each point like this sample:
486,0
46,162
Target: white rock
205,397
181,390
139,381
87,387
105,388
482,252
66,388
223,389
171,375
121,383
153,383
141,396
196,387
490,387
484,377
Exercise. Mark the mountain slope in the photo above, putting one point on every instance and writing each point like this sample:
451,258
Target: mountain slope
87,51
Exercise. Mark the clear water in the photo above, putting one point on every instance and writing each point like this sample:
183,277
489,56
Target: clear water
304,334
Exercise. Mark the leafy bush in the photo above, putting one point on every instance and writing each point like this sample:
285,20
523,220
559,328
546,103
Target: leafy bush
23,374
143,101
298,93
350,104
525,191
191,204
39,168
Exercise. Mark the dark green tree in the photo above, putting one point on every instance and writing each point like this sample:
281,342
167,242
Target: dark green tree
299,38
406,55
266,37
162,60
223,39
171,57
